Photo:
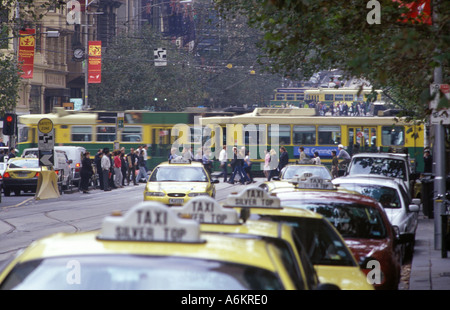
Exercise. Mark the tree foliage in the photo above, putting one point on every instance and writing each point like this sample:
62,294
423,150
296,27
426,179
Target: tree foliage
130,79
303,37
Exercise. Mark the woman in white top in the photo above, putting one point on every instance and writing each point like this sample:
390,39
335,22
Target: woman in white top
316,158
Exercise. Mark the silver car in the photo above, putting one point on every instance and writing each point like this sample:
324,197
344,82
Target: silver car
401,210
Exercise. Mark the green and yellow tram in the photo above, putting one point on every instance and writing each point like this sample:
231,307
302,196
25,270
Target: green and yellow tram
95,130
267,128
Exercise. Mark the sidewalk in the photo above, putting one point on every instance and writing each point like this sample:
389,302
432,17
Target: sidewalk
428,270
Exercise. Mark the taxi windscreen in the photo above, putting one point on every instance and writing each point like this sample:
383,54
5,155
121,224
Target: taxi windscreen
178,174
128,272
24,163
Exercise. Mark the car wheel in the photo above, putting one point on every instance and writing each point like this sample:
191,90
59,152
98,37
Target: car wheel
17,192
7,192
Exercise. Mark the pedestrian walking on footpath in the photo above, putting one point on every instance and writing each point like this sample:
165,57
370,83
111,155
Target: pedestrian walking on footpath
223,159
142,174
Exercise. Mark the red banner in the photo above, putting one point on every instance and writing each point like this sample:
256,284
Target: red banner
95,62
27,42
419,12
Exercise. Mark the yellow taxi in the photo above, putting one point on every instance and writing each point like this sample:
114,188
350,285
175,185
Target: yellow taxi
226,221
294,171
175,182
322,243
22,174
149,247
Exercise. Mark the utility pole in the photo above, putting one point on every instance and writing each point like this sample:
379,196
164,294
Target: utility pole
438,151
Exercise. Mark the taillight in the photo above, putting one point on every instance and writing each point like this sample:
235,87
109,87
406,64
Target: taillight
78,165
37,174
57,172
6,175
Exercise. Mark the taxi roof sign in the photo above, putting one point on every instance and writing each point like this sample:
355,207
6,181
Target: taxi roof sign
253,197
207,210
150,221
309,181
179,160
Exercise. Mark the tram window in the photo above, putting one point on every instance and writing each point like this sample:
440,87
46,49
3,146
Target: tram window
290,97
106,133
255,135
23,134
305,135
196,134
283,134
393,135
280,96
329,97
329,134
348,97
338,97
300,96
81,133
132,134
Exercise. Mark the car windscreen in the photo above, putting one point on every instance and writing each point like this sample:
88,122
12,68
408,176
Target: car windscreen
387,196
24,163
389,167
179,174
352,220
292,171
321,243
133,272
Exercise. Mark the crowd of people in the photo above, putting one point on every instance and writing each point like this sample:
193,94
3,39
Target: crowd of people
115,169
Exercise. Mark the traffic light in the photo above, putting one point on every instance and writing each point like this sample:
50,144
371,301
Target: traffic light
9,124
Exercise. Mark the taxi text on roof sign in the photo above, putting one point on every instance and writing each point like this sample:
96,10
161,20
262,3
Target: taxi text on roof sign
254,197
309,181
207,210
150,221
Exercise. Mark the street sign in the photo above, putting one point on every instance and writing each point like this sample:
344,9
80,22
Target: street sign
45,125
46,158
160,56
46,140
439,116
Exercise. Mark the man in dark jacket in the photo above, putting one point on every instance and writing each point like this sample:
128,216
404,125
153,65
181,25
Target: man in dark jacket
131,165
284,158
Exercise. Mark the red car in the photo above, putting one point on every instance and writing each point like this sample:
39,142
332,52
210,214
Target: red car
364,226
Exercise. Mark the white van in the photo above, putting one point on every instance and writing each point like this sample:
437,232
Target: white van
61,162
75,154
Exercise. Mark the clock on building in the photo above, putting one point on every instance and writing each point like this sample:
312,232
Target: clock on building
78,53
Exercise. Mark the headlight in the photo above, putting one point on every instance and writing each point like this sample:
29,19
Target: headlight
197,194
155,194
